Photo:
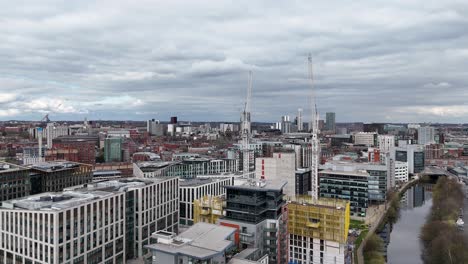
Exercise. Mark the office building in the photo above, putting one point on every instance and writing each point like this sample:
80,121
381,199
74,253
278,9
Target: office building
154,127
14,181
360,183
386,143
113,149
31,155
300,121
285,124
255,210
434,151
189,168
280,167
367,139
201,243
318,230
106,222
426,135
54,130
194,189
339,140
330,124
378,128
413,155
54,176
85,147
400,171
303,181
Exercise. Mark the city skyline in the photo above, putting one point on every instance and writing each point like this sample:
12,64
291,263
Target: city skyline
402,62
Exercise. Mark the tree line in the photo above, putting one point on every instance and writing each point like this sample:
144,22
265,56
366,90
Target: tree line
442,241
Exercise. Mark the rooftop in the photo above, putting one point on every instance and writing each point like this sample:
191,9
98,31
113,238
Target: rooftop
335,204
77,195
199,181
357,173
8,167
262,185
49,166
201,241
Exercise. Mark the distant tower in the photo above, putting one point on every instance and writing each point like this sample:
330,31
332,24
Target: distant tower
299,120
314,139
245,130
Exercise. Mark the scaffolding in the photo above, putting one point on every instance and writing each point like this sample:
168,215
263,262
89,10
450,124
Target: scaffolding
326,219
208,209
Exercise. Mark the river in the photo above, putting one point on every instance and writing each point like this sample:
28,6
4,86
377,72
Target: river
401,239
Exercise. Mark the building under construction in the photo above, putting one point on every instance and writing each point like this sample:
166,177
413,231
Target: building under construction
318,230
208,209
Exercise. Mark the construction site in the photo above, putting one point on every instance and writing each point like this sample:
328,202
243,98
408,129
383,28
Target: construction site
325,219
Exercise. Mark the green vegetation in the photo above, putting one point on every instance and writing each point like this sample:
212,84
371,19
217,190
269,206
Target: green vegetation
357,224
373,250
442,241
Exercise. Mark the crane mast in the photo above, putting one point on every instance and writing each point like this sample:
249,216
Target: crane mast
246,129
314,135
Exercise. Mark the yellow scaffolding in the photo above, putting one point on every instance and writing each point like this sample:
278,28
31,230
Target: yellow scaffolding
208,209
326,219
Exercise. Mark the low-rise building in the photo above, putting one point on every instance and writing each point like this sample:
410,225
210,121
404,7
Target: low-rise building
201,243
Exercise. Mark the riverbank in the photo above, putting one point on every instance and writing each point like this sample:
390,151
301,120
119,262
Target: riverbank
442,241
373,228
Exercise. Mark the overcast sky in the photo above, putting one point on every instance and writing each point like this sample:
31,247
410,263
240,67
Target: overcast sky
381,61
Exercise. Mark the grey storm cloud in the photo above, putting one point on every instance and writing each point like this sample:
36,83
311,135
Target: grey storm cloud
386,61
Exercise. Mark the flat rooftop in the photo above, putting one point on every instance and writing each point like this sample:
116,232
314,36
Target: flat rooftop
201,241
199,181
262,185
358,173
49,166
8,167
76,195
335,204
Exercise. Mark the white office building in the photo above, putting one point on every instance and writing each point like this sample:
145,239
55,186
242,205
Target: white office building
400,171
280,167
386,143
365,138
194,189
106,222
54,130
426,135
